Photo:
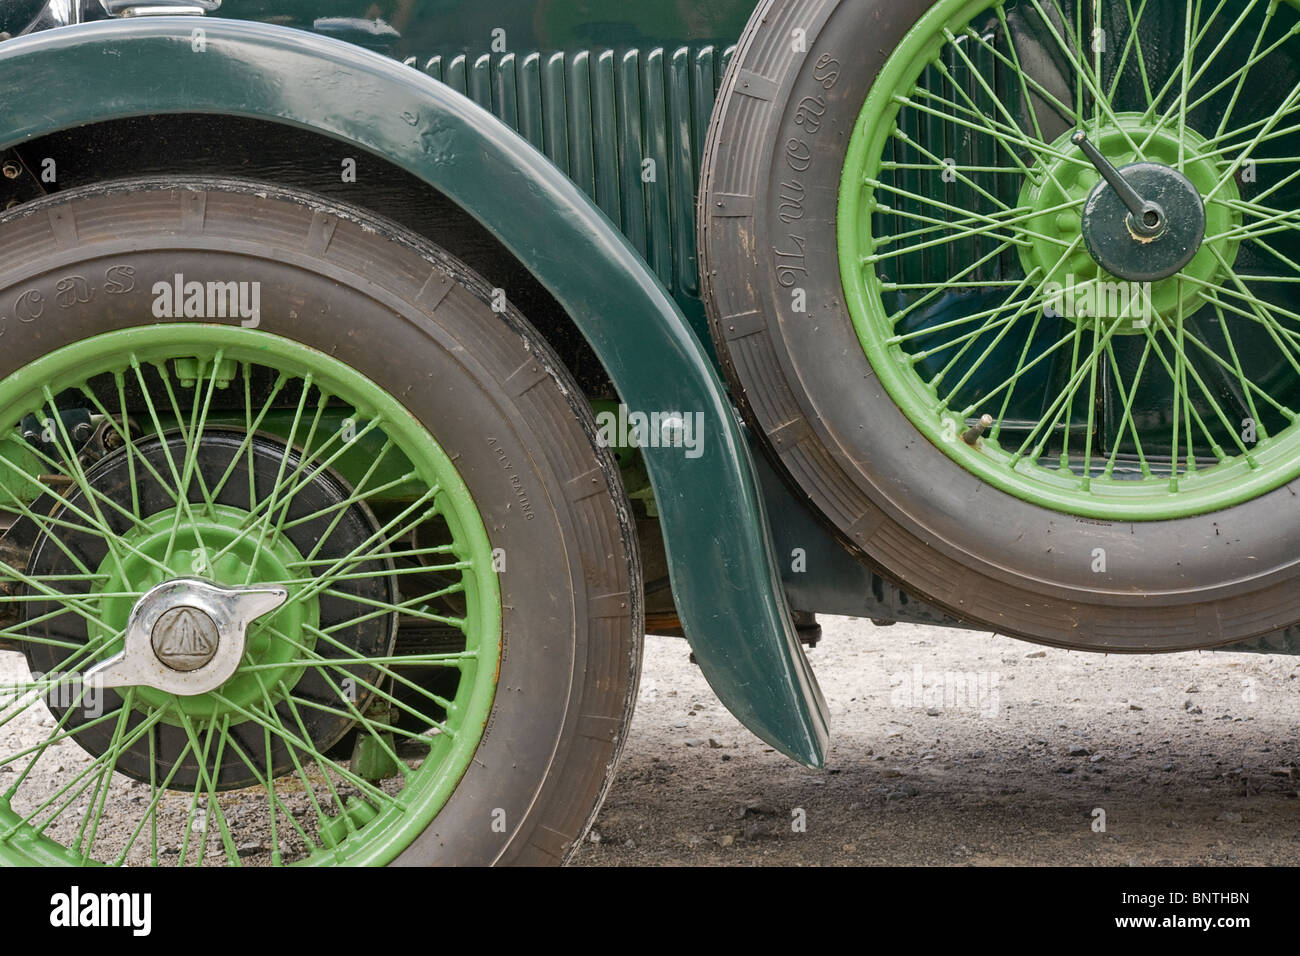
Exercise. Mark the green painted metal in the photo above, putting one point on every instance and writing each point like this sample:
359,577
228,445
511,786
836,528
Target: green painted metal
724,573
162,549
403,29
951,290
239,548
1062,182
358,460
600,123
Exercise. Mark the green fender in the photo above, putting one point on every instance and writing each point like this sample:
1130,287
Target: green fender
723,568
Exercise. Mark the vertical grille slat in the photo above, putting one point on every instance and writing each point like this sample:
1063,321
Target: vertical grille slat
631,148
458,74
480,81
705,90
684,163
582,153
599,115
655,122
554,108
605,137
528,95
505,91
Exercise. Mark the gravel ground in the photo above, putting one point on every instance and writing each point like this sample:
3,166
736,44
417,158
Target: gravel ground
1192,759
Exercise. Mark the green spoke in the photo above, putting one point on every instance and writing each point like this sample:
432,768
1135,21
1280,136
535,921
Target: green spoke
1021,372
1127,398
1193,16
264,525
1247,386
284,501
77,607
1244,71
213,800
1020,365
1014,64
194,434
201,758
1259,313
916,197
267,782
957,171
345,487
1063,400
1188,368
408,607
85,775
372,545
1007,324
1176,76
95,808
1259,308
354,660
182,492
1026,81
94,527
1010,124
1130,44
262,509
1260,211
156,791
1084,74
294,740
59,737
449,659
1260,137
1180,107
949,114
251,427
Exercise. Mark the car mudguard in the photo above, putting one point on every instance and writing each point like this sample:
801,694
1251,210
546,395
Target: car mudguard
723,568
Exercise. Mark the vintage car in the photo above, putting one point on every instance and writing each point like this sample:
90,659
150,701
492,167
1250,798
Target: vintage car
374,375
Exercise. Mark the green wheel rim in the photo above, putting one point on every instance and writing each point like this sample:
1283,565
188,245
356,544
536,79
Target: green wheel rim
327,809
973,292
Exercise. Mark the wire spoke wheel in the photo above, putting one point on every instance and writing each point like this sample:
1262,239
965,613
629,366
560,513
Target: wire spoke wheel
1008,291
309,552
238,458
1006,301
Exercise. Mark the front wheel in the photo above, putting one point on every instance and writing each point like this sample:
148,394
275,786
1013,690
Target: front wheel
308,555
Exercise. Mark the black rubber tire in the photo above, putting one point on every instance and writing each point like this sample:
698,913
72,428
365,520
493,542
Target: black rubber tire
486,385
804,383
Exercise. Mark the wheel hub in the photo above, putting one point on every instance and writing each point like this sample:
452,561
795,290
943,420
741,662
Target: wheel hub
187,625
186,636
1155,247
1083,240
213,546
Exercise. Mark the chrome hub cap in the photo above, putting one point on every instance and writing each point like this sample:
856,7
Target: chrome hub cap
186,636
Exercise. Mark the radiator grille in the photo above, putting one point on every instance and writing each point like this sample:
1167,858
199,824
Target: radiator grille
600,115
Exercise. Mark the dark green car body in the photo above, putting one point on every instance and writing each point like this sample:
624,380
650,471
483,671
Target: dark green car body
570,133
